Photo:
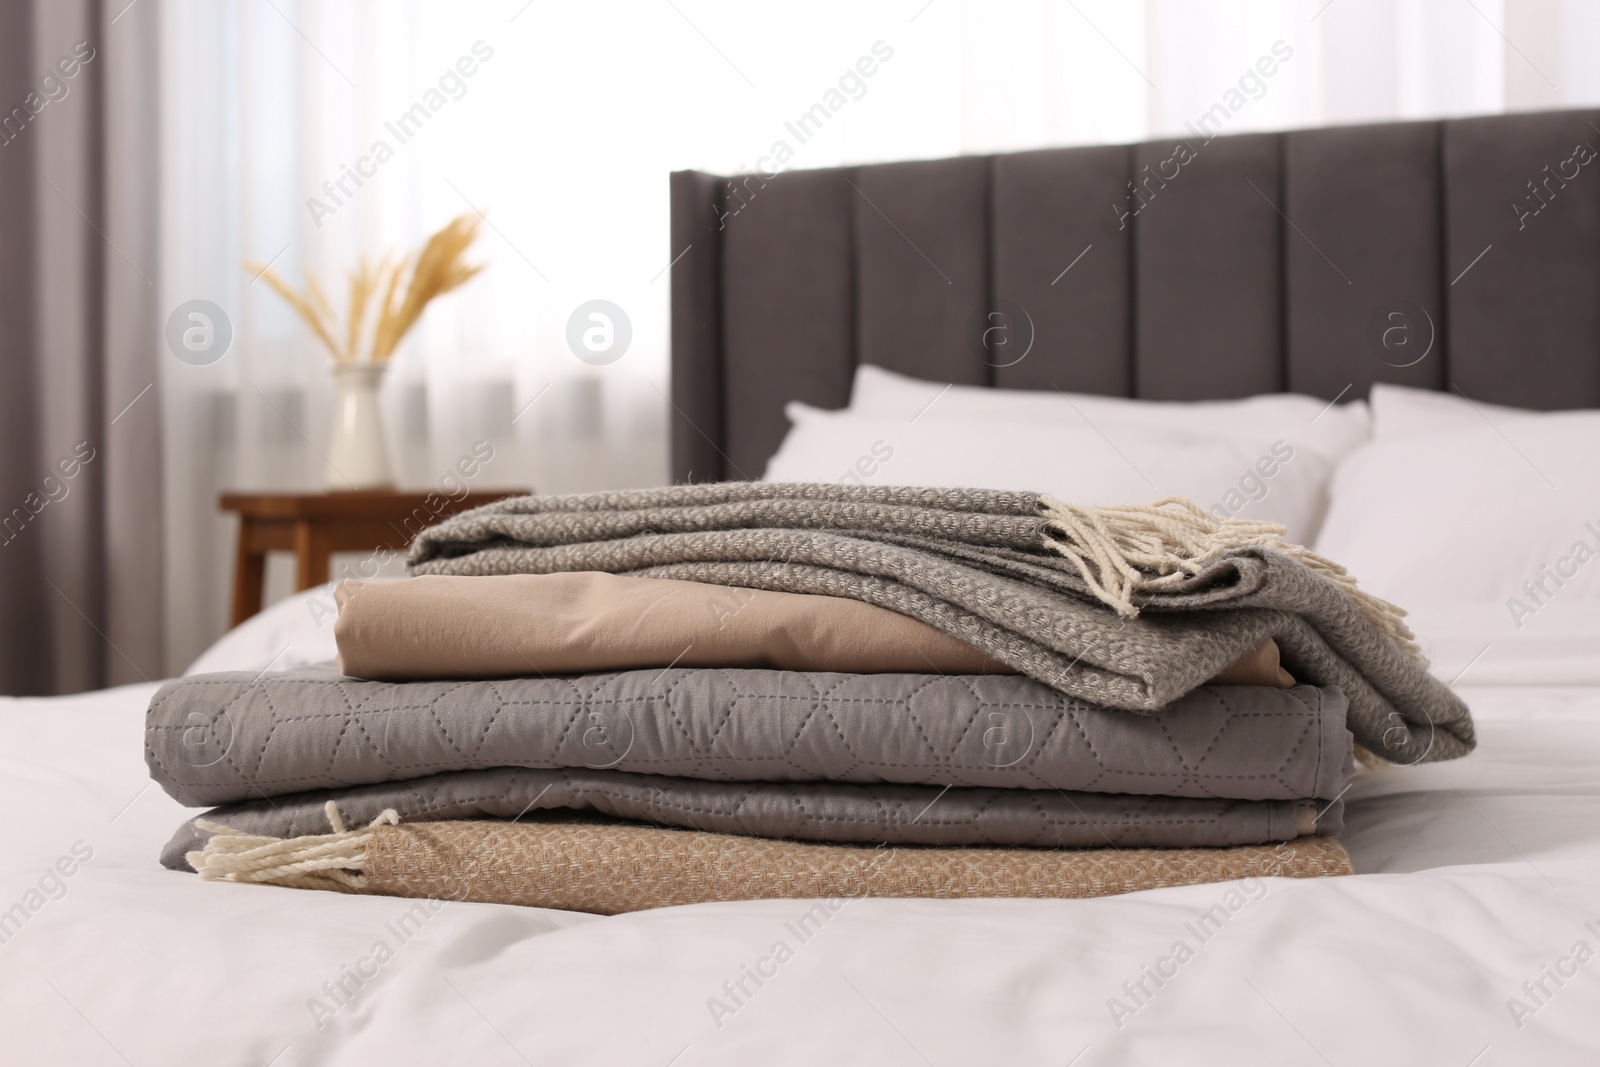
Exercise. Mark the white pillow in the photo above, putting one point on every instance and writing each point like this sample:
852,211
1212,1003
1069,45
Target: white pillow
1397,410
1248,477
1305,422
1456,506
294,632
1479,644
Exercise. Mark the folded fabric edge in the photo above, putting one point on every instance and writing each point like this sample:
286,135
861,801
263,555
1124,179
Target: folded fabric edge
432,627
818,812
1005,732
610,867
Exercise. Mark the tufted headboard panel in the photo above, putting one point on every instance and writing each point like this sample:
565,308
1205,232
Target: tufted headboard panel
1460,254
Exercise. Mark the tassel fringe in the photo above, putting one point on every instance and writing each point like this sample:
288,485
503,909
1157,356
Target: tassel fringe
1149,548
320,861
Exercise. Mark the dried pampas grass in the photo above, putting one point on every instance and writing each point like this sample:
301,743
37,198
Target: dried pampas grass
391,295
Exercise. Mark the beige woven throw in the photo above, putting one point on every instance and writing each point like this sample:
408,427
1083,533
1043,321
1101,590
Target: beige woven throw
607,867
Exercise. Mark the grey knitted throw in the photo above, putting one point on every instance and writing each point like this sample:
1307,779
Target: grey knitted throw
985,567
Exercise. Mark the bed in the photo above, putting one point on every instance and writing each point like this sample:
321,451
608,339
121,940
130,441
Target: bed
1468,935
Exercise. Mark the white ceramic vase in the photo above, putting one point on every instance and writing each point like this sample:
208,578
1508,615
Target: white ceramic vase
358,453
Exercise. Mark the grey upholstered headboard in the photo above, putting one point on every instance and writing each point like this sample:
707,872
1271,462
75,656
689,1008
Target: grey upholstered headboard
1317,261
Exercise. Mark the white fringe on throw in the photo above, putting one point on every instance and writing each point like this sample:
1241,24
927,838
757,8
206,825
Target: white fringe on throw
319,861
1137,548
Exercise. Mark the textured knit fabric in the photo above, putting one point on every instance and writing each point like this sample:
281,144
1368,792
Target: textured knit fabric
978,565
612,868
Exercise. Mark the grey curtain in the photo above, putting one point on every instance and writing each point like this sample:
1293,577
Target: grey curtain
80,344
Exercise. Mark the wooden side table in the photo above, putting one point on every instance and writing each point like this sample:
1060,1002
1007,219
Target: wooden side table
316,525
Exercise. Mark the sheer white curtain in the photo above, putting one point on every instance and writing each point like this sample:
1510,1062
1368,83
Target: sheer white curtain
561,122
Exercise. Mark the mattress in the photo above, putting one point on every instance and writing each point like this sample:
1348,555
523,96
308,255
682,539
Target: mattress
1457,942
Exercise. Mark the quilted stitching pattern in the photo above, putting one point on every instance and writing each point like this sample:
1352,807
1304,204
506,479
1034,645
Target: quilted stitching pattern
219,738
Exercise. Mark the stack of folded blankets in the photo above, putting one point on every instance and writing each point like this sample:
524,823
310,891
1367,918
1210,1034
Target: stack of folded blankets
617,701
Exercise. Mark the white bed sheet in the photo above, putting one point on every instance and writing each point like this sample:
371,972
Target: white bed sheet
1477,875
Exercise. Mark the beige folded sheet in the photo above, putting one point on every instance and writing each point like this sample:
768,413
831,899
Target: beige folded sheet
610,868
570,623
504,626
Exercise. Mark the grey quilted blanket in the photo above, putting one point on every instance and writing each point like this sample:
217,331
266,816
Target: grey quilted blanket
981,759
978,565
